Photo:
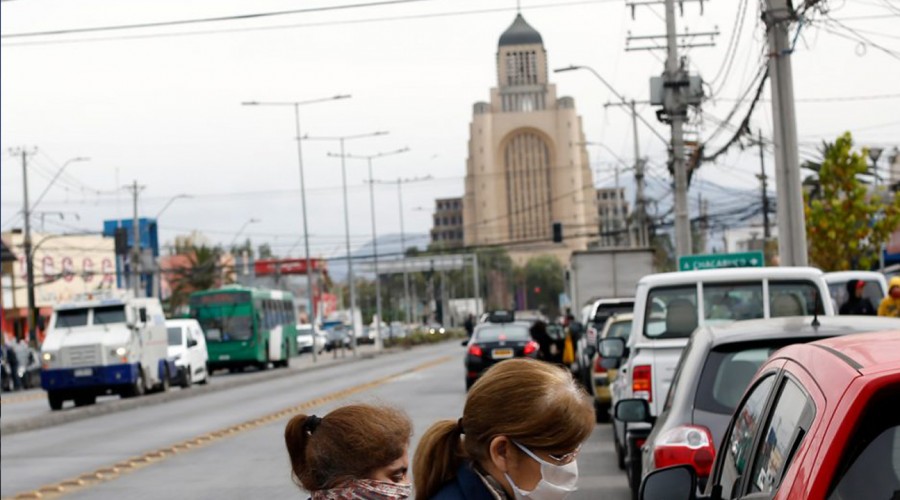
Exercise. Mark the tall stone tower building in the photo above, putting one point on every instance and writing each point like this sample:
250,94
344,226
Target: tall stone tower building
527,166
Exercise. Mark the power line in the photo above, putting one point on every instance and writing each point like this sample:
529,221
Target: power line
342,22
238,17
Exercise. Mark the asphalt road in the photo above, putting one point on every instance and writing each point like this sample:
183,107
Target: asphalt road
228,444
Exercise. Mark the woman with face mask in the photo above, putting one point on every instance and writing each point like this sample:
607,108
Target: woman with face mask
522,428
356,452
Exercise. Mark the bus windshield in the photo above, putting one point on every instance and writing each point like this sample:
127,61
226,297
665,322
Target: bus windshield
226,328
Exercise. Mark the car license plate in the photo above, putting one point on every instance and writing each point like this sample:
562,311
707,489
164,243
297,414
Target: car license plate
502,353
84,372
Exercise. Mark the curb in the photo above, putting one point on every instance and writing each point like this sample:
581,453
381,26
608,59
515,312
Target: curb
106,408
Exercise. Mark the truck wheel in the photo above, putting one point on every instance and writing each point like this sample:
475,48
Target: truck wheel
163,385
55,399
187,378
85,400
137,388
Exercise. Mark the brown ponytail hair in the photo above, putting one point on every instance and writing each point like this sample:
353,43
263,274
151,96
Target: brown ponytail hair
532,402
349,443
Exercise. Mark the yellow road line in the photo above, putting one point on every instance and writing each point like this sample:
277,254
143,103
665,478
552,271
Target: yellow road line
21,398
114,471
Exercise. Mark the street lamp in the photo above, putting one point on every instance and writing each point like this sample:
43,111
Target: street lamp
341,140
638,164
241,230
53,180
369,158
296,105
168,203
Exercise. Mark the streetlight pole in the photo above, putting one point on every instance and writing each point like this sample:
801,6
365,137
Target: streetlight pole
378,339
641,204
341,140
168,203
56,176
310,308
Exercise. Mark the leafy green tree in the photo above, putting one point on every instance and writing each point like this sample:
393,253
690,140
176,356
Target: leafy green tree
202,272
847,221
544,281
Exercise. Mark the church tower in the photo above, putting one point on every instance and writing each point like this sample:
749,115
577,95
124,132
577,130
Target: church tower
527,166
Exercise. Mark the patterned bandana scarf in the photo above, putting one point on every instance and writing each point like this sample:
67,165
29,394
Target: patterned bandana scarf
365,489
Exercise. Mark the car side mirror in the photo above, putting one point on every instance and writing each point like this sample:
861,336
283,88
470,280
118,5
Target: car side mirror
465,342
191,343
678,482
632,410
612,348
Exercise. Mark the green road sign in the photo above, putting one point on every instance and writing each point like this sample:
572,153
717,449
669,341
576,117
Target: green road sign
721,260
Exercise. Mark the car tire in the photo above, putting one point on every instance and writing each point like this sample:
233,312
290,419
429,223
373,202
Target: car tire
469,383
187,378
634,477
620,453
163,385
85,400
55,399
601,413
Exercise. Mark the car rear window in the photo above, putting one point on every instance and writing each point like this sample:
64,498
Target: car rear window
727,373
604,311
493,333
671,312
619,329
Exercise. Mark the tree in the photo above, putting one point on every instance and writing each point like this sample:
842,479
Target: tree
264,251
201,272
847,221
543,280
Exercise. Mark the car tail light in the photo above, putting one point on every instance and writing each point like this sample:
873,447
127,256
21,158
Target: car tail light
475,350
531,347
686,445
598,367
642,382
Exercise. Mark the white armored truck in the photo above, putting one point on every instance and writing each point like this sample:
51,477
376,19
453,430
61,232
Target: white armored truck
98,346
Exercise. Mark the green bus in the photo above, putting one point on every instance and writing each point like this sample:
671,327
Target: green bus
246,326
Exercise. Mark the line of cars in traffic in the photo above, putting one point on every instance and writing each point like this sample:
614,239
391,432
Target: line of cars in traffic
672,371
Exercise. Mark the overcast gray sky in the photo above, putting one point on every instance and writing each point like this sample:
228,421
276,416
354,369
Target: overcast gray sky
165,110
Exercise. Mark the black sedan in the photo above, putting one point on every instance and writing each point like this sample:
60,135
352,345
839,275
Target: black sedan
492,343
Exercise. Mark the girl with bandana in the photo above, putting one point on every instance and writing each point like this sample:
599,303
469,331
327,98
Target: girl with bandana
356,452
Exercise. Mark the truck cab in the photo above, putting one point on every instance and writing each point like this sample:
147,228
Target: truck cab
111,345
670,306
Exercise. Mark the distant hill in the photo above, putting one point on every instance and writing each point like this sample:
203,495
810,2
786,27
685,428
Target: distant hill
388,248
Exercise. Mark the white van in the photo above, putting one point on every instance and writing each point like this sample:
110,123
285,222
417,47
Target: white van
104,346
187,349
670,306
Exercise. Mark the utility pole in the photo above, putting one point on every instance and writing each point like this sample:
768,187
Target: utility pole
675,91
677,110
792,249
767,232
136,240
639,181
26,246
403,253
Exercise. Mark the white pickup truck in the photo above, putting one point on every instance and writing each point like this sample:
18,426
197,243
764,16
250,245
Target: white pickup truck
104,346
670,306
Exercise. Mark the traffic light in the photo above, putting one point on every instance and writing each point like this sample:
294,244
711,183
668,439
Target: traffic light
557,232
121,241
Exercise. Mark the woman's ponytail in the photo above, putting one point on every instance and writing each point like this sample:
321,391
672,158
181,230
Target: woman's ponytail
296,438
437,457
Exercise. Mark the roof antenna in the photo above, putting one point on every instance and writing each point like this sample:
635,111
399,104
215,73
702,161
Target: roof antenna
815,321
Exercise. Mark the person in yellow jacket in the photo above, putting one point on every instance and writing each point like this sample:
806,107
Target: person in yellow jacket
890,305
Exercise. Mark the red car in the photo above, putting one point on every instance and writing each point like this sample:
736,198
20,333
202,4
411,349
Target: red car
819,420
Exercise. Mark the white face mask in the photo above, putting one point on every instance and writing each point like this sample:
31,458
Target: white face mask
557,481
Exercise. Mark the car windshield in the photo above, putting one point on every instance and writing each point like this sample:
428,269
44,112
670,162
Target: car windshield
108,315
174,335
726,302
71,318
225,329
496,333
304,330
619,329
726,375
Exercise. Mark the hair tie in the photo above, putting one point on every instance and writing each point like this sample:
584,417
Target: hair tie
311,424
459,426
